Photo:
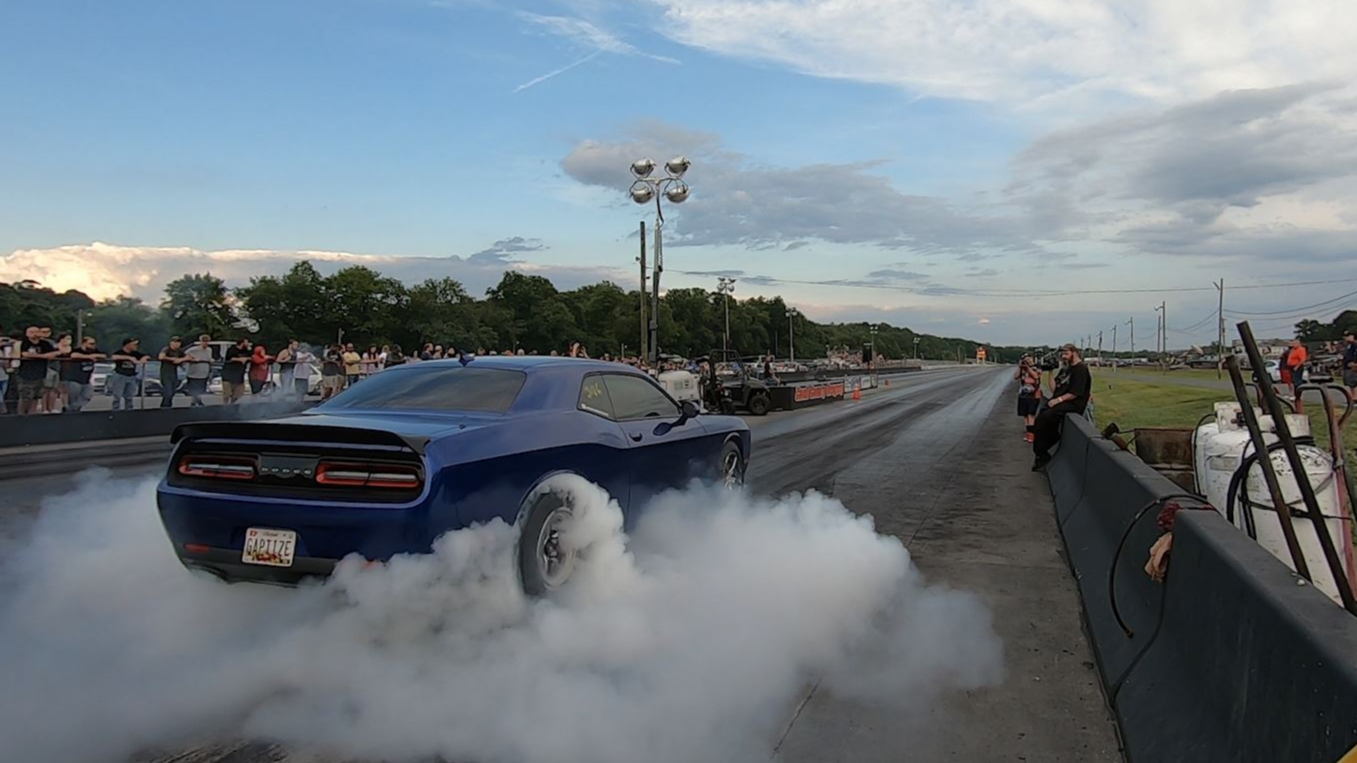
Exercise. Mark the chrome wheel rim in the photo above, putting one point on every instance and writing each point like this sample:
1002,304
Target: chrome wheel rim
732,476
555,559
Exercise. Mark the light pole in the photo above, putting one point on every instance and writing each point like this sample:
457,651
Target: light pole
916,348
872,330
644,190
791,334
725,287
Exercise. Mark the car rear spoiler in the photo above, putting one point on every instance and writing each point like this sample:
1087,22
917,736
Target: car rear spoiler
276,432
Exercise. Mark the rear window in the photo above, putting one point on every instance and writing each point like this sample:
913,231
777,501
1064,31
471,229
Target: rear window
439,388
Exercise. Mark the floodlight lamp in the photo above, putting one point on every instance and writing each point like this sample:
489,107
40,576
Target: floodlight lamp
677,193
677,166
642,167
642,193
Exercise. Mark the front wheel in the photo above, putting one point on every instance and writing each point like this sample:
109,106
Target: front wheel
759,404
545,561
732,466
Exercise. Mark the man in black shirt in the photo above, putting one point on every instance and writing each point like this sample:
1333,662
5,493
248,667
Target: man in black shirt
76,373
123,383
1071,396
171,358
1350,359
235,362
34,352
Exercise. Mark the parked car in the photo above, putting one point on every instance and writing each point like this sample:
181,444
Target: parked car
392,463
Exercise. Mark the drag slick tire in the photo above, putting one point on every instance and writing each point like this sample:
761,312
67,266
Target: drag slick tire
544,562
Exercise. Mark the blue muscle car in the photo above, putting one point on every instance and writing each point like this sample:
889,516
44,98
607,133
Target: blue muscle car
403,457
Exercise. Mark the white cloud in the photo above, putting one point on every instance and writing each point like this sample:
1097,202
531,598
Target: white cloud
105,271
1033,50
584,35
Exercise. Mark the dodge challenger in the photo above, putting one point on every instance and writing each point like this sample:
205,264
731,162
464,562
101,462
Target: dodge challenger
392,463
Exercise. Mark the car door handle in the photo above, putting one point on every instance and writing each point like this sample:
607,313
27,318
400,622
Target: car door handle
636,436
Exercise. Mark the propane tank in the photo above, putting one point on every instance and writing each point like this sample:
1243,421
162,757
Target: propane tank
1220,448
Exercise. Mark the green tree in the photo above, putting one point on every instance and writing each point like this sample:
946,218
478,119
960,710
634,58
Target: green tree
368,307
114,320
293,306
197,304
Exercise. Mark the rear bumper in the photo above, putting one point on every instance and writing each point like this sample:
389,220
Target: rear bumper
225,564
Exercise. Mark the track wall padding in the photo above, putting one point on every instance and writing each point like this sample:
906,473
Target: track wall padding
1234,658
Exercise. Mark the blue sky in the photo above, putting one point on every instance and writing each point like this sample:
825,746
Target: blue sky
930,175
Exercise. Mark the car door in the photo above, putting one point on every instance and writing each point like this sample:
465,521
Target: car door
604,464
663,455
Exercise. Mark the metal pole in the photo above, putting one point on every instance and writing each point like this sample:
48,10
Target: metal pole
791,336
655,301
1302,477
1132,324
1100,348
1265,464
725,340
645,325
79,327
1114,347
1164,313
1220,334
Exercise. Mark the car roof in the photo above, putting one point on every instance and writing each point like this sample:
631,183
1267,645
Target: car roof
530,363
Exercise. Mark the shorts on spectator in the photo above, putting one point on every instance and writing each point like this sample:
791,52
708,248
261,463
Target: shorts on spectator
1350,378
333,382
31,389
1028,405
52,380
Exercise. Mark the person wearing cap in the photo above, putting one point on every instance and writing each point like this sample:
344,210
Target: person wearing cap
1350,359
1070,396
171,357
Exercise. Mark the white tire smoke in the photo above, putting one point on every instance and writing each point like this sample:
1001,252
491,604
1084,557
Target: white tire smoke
688,641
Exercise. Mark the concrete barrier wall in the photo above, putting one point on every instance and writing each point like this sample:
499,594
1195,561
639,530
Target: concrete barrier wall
1233,658
20,431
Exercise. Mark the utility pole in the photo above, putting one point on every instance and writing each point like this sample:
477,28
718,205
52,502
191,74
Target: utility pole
1162,335
1220,333
1100,348
1114,347
791,336
645,325
1132,324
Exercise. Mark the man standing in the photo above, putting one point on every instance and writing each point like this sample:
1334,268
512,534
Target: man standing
1350,359
305,366
287,367
6,352
1070,396
76,373
235,362
1295,361
353,364
123,381
34,352
199,359
332,372
171,358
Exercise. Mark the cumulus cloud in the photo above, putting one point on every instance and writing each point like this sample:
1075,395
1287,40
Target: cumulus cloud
742,202
1036,51
105,271
1247,174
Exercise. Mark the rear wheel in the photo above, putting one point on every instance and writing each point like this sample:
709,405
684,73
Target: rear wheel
759,403
544,559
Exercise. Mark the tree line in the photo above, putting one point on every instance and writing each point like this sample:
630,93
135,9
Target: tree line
522,311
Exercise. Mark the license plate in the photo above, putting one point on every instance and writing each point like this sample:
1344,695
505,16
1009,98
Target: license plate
274,548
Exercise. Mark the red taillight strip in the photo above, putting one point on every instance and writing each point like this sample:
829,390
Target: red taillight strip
366,475
215,467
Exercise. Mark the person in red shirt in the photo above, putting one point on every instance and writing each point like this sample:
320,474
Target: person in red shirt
260,363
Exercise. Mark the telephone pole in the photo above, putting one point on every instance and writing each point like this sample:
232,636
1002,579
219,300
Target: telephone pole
1132,324
1161,334
1220,333
1114,347
1100,348
645,325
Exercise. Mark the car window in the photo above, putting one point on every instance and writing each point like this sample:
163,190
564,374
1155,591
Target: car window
594,397
439,388
637,398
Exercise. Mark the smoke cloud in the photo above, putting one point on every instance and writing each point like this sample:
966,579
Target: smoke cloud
689,640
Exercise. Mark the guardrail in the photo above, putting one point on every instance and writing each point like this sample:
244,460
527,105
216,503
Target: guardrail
1233,658
19,431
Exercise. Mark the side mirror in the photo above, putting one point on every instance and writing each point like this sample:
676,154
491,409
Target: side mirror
690,411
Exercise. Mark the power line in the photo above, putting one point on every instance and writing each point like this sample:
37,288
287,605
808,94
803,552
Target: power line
1199,324
1297,310
955,292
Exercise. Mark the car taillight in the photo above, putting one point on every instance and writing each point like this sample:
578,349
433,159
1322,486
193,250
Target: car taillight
345,474
217,467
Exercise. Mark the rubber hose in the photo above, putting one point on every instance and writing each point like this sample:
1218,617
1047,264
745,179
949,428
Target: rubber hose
1116,557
